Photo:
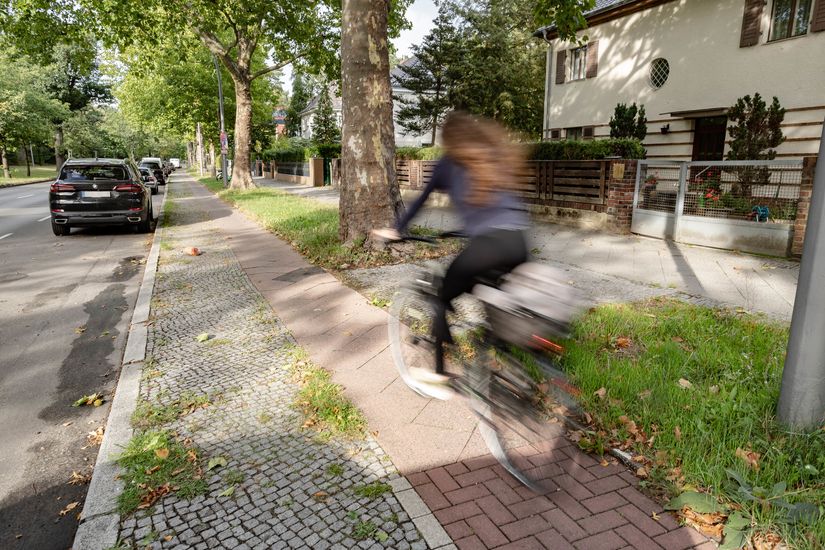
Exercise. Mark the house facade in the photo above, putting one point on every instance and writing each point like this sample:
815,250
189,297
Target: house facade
402,138
687,62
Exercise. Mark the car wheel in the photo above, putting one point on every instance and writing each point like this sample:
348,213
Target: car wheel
146,225
154,190
60,230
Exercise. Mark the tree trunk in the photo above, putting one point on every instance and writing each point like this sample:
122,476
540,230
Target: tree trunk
241,178
28,162
369,191
212,171
59,158
5,159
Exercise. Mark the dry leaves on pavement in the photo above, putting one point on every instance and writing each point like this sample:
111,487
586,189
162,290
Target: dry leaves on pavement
751,458
69,507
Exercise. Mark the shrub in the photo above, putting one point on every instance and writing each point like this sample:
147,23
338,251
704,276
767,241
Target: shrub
586,150
327,150
628,122
418,153
288,150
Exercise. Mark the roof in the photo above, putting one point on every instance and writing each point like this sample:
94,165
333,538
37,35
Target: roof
397,72
602,7
334,96
95,161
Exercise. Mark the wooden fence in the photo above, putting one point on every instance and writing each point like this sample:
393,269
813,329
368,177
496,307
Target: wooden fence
545,182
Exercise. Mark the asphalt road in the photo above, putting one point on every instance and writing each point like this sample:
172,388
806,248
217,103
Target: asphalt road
65,306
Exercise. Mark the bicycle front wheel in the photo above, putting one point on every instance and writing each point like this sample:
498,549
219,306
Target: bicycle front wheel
516,432
410,328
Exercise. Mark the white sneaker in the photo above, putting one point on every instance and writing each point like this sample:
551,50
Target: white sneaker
431,384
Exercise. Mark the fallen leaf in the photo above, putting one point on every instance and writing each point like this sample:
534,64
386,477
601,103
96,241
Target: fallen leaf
677,339
321,496
655,516
601,392
642,472
751,458
203,337
65,424
710,524
216,462
81,329
193,251
152,470
714,389
95,437
685,384
79,479
162,453
228,492
152,496
167,538
604,463
623,342
69,507
644,394
677,433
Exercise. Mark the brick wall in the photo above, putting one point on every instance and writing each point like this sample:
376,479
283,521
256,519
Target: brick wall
805,191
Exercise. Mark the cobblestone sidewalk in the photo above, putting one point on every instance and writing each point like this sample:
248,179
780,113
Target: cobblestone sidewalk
275,466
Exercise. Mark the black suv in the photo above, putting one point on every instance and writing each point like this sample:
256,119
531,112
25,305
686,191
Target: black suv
99,192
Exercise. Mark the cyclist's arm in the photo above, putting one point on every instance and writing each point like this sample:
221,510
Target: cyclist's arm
436,182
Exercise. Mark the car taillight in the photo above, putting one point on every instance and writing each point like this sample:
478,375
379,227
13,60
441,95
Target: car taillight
129,188
61,187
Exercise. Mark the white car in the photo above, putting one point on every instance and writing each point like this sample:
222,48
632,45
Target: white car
175,163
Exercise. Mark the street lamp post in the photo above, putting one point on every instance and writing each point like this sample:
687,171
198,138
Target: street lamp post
224,143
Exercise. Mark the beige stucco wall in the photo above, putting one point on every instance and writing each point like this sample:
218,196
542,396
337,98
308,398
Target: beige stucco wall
708,69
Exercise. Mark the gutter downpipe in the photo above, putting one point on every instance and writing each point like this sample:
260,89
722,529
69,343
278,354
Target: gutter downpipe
545,132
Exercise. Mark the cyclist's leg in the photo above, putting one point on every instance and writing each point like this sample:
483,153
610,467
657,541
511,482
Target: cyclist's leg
497,251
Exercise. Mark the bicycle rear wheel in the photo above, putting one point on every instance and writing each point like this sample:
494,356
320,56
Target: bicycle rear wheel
410,328
516,432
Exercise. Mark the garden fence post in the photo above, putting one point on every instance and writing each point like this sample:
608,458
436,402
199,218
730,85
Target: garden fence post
802,395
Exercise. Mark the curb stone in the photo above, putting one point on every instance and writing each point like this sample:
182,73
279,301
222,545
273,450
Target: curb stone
99,520
10,185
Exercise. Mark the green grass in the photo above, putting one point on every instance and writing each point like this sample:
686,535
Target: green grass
18,175
334,470
733,362
372,490
155,463
322,402
311,227
150,415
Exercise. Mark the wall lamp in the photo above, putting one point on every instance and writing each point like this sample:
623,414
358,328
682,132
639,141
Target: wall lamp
665,129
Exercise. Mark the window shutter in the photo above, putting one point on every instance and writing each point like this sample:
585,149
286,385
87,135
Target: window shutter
752,23
593,58
561,60
818,17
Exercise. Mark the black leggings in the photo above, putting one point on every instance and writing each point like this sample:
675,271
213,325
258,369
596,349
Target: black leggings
498,252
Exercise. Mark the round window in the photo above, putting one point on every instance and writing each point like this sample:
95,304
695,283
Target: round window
659,71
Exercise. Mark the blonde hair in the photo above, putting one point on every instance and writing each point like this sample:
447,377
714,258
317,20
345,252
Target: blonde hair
483,148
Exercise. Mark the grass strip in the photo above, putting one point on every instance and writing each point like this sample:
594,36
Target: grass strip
311,227
692,391
322,401
154,464
18,175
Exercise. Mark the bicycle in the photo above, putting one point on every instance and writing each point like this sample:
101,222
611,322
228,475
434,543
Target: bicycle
515,341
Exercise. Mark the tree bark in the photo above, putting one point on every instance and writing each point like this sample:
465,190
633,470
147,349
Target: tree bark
59,158
5,160
28,162
241,177
369,191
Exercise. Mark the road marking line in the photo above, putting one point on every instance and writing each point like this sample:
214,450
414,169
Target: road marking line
45,218
24,196
6,235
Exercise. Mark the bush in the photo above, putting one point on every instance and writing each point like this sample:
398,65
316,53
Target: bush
288,150
418,153
586,150
327,150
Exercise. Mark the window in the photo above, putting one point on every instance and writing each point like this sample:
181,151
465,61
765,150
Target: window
659,71
555,134
790,18
578,63
573,133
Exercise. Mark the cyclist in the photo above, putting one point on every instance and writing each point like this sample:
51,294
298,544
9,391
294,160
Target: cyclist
478,171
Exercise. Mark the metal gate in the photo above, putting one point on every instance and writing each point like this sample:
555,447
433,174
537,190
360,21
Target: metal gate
746,205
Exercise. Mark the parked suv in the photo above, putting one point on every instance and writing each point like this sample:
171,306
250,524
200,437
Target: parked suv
99,192
156,166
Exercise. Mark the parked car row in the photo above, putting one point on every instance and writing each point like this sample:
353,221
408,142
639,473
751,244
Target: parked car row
91,192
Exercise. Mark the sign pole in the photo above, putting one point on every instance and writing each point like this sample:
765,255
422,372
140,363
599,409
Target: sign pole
802,396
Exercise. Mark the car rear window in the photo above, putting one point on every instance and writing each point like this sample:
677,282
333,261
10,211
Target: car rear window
94,172
152,165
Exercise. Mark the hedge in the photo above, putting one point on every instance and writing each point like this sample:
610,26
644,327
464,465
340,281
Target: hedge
418,153
593,149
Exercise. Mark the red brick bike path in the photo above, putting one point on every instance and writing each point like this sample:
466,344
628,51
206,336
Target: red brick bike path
588,506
